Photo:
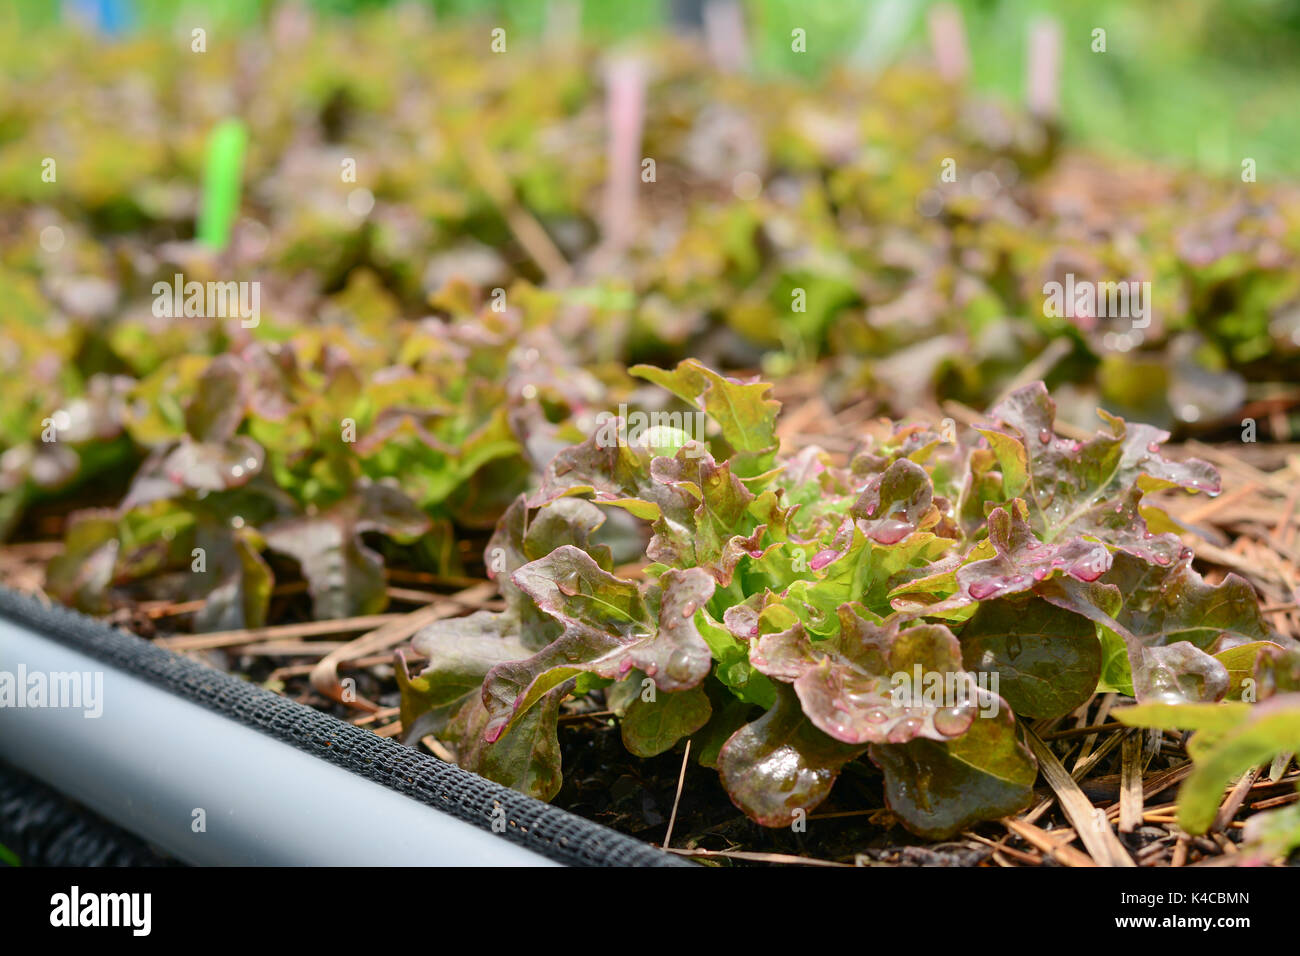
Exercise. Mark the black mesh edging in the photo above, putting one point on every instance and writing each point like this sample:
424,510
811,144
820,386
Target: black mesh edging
550,831
42,827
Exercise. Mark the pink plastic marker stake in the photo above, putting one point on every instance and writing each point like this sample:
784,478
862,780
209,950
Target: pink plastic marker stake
291,25
1043,82
948,40
724,33
625,84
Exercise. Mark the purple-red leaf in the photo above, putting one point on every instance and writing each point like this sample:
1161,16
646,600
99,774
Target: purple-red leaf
939,789
345,577
868,683
610,627
781,764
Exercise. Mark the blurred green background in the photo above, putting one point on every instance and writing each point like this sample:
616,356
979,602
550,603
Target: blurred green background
1202,83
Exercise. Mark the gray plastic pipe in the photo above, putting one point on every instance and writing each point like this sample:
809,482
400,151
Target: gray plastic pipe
151,759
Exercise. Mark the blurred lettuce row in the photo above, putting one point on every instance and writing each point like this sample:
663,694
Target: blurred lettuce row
303,443
852,250
906,287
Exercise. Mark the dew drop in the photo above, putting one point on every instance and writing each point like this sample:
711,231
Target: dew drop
823,558
952,721
494,727
888,531
679,666
1091,566
904,730
1044,436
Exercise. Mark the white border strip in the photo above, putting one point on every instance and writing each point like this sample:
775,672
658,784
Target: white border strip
152,758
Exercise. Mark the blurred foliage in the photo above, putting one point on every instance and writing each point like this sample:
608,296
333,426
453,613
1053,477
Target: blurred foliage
790,224
1200,82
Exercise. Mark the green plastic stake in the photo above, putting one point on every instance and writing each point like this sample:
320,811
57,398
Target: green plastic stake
221,183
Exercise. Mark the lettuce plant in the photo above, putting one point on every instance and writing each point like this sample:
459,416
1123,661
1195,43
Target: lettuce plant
795,613
304,447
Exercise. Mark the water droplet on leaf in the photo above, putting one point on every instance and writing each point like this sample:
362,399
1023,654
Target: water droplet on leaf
953,721
679,666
